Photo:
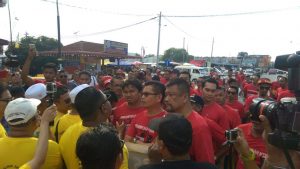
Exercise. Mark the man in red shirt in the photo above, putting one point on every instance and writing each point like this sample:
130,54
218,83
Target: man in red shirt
251,89
211,109
283,90
178,100
253,134
233,102
187,77
233,115
116,87
123,114
264,85
152,97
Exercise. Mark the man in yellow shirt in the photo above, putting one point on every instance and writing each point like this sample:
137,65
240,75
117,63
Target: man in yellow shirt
72,117
19,147
93,109
63,103
2,131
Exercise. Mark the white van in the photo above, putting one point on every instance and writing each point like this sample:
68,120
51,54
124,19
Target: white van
194,71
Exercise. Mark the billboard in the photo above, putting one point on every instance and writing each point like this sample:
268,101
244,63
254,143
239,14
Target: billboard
115,47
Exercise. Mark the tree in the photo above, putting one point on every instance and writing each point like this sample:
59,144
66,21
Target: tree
176,55
42,43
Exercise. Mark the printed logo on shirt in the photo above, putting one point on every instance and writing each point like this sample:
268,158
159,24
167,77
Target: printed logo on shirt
145,134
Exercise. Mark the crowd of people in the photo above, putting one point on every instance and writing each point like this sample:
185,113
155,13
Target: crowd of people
86,120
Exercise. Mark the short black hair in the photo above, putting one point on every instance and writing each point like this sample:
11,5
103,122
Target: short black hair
84,73
185,73
88,101
156,78
176,133
116,78
157,88
17,91
98,148
210,80
133,82
50,66
182,85
176,71
61,90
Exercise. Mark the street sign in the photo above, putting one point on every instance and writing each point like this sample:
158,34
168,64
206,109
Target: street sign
115,47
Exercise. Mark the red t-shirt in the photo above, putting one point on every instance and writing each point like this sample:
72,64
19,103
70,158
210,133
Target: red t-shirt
285,93
163,80
125,114
256,143
248,102
120,102
202,148
250,90
238,106
216,113
194,92
233,116
217,133
139,127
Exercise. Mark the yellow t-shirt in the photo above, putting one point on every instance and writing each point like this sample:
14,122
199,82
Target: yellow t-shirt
57,117
2,131
25,166
67,146
65,122
15,152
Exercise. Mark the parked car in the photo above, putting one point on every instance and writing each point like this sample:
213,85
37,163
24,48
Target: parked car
276,71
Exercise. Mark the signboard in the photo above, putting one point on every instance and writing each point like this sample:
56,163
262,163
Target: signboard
115,47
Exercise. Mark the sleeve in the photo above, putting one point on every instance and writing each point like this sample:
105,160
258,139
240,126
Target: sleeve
124,164
248,101
130,131
25,166
202,148
224,119
217,132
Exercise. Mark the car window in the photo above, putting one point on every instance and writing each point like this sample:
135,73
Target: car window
195,71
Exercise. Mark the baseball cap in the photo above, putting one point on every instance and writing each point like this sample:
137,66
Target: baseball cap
76,90
36,91
21,110
264,81
197,100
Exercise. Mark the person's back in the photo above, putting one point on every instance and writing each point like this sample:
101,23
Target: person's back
17,151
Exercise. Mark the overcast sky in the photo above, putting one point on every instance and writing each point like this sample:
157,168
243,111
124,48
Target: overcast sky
272,28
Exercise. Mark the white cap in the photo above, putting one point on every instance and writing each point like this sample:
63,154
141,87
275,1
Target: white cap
36,91
76,90
21,109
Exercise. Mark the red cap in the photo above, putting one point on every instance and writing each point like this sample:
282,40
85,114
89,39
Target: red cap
264,81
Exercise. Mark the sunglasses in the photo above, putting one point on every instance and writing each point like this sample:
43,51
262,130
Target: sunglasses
229,92
65,76
67,101
264,88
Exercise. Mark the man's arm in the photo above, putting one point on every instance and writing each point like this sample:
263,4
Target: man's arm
42,145
26,68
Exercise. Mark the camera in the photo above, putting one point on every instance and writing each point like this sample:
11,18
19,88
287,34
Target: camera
51,90
284,116
231,135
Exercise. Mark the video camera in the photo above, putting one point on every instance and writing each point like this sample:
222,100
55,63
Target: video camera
284,116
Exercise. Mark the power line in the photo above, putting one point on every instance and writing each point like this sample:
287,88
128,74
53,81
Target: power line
232,14
97,10
178,28
114,29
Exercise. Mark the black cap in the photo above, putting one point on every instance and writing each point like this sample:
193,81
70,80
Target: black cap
197,100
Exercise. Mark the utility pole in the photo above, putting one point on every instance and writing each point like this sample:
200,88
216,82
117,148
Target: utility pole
158,42
58,31
183,50
9,17
212,50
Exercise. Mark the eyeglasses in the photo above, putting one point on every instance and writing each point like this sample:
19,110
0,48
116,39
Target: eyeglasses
6,100
148,94
229,92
